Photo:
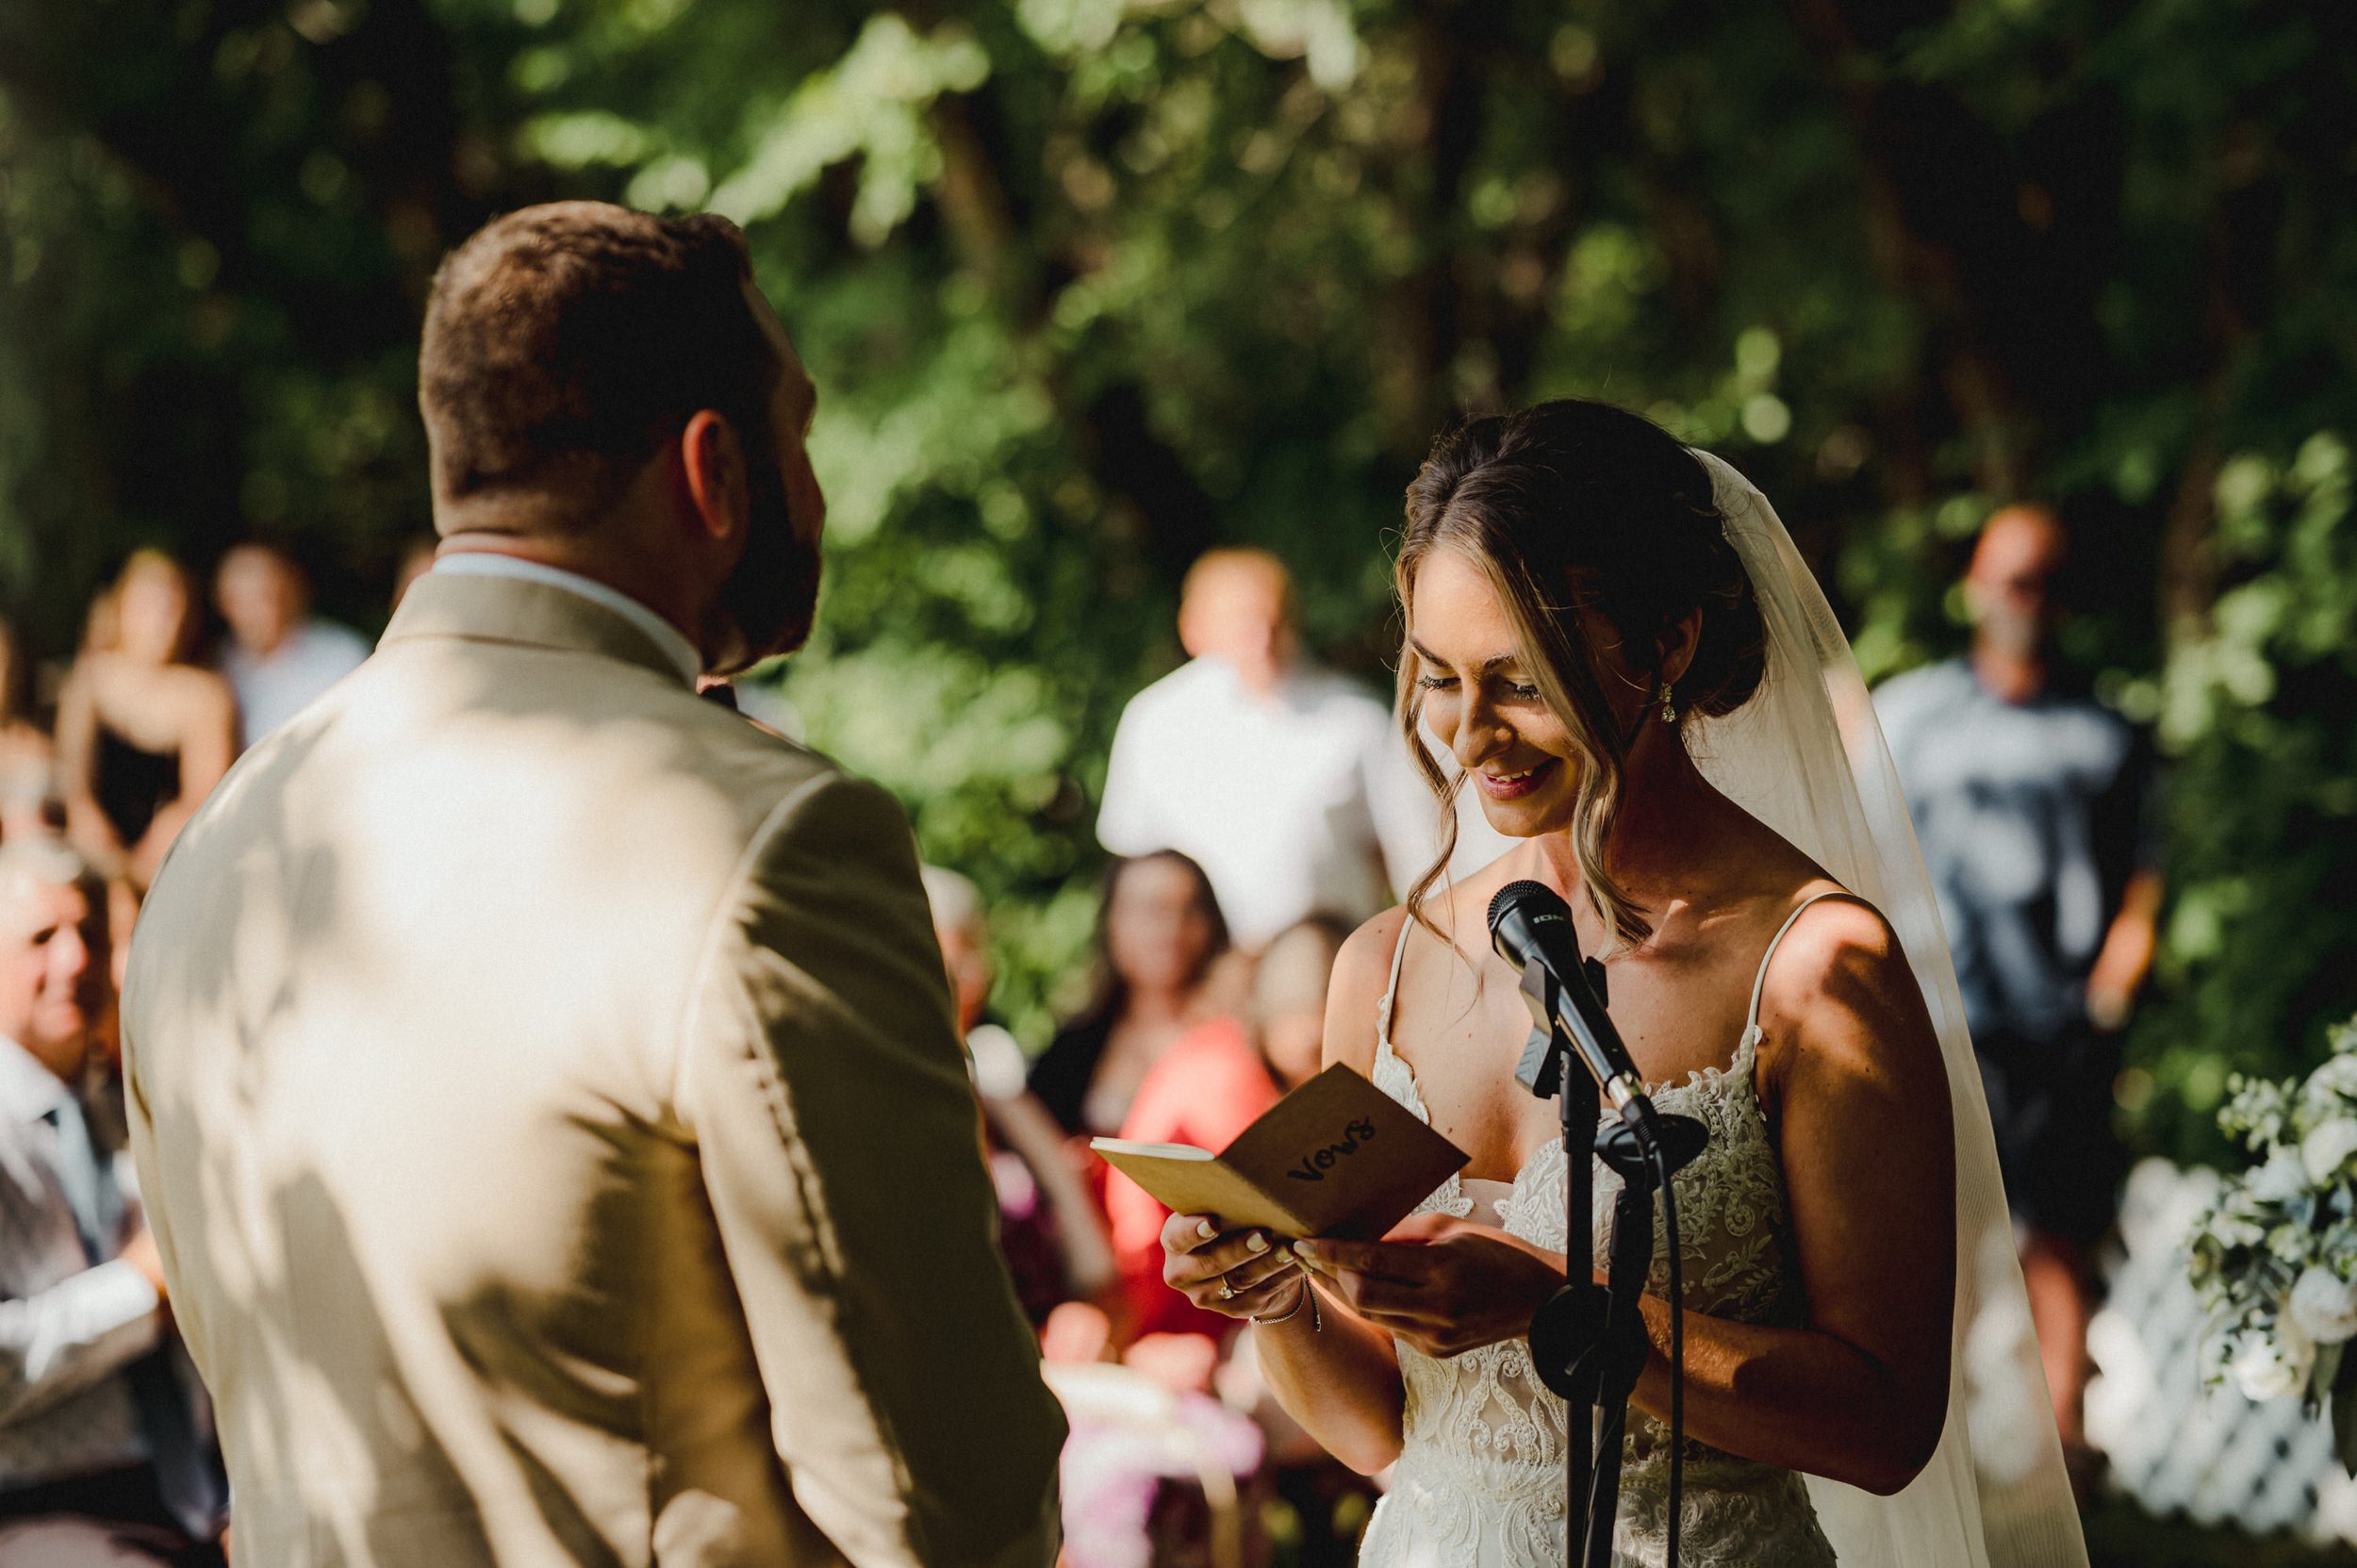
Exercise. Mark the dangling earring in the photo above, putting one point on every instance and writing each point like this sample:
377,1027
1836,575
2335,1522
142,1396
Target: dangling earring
1669,709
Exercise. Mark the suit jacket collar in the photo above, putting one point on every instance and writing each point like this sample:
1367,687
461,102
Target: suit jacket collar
531,615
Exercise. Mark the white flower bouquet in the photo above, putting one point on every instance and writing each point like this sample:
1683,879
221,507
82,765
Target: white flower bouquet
2275,1257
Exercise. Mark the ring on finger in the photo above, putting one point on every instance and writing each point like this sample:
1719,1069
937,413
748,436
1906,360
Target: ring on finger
1226,1291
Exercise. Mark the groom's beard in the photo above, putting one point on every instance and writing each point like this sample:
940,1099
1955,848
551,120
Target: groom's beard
772,596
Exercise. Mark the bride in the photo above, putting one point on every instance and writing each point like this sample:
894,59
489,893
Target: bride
1618,643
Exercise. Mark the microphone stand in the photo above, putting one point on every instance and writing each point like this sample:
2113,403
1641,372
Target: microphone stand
1588,1341
1574,1318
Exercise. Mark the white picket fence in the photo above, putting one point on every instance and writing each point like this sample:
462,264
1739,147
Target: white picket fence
2178,1445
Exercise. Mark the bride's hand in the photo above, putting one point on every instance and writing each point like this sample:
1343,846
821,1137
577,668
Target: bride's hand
1444,1285
1235,1274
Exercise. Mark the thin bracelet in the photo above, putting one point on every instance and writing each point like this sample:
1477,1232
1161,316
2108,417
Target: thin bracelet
1310,1295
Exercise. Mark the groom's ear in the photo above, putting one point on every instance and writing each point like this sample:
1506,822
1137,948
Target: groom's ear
712,458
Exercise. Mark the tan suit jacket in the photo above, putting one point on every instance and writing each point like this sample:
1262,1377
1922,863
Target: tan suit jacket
545,1089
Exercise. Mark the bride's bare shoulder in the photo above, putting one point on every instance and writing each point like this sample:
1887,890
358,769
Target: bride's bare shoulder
1364,966
1839,986
1354,992
1833,931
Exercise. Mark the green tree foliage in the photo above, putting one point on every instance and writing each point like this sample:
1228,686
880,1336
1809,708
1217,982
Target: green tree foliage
2261,712
1089,285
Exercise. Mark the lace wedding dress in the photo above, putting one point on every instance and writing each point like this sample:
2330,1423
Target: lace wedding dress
1480,1482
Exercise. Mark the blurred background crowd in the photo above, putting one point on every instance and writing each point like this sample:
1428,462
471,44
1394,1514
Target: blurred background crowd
2036,318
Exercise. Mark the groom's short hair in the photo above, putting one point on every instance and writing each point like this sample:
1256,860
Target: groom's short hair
564,343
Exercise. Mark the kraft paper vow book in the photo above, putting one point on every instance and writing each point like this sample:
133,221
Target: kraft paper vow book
1337,1156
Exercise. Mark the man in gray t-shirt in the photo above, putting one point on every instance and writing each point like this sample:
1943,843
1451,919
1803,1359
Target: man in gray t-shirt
2030,816
2030,802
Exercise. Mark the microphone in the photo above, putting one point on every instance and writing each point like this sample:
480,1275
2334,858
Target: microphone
1530,925
1588,1342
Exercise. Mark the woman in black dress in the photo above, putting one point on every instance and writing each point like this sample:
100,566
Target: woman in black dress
1159,933
144,733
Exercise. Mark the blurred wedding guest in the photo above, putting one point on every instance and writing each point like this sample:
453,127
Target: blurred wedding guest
103,1453
1160,930
1289,997
143,734
1048,1228
1289,784
1209,1086
27,760
1216,1081
278,655
2030,801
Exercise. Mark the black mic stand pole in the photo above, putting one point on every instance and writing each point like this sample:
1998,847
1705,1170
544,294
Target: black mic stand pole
1588,1341
1620,1350
1574,1317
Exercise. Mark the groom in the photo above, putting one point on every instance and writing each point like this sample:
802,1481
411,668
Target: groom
543,1082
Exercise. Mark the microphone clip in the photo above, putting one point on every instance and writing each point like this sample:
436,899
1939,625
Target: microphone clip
1628,1145
1541,1069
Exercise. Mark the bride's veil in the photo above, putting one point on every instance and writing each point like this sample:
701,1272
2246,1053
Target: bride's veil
1806,757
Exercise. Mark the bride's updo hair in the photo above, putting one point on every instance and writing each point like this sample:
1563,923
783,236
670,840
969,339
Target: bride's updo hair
1575,505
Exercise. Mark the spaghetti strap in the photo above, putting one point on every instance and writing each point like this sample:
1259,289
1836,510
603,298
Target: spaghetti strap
1759,981
1390,992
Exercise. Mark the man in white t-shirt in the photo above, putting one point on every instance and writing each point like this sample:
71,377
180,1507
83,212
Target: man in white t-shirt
278,657
1291,785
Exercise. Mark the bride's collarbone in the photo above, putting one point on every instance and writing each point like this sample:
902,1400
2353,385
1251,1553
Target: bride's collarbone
1679,1014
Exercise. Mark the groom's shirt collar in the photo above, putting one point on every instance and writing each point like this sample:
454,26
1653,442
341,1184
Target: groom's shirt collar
675,646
